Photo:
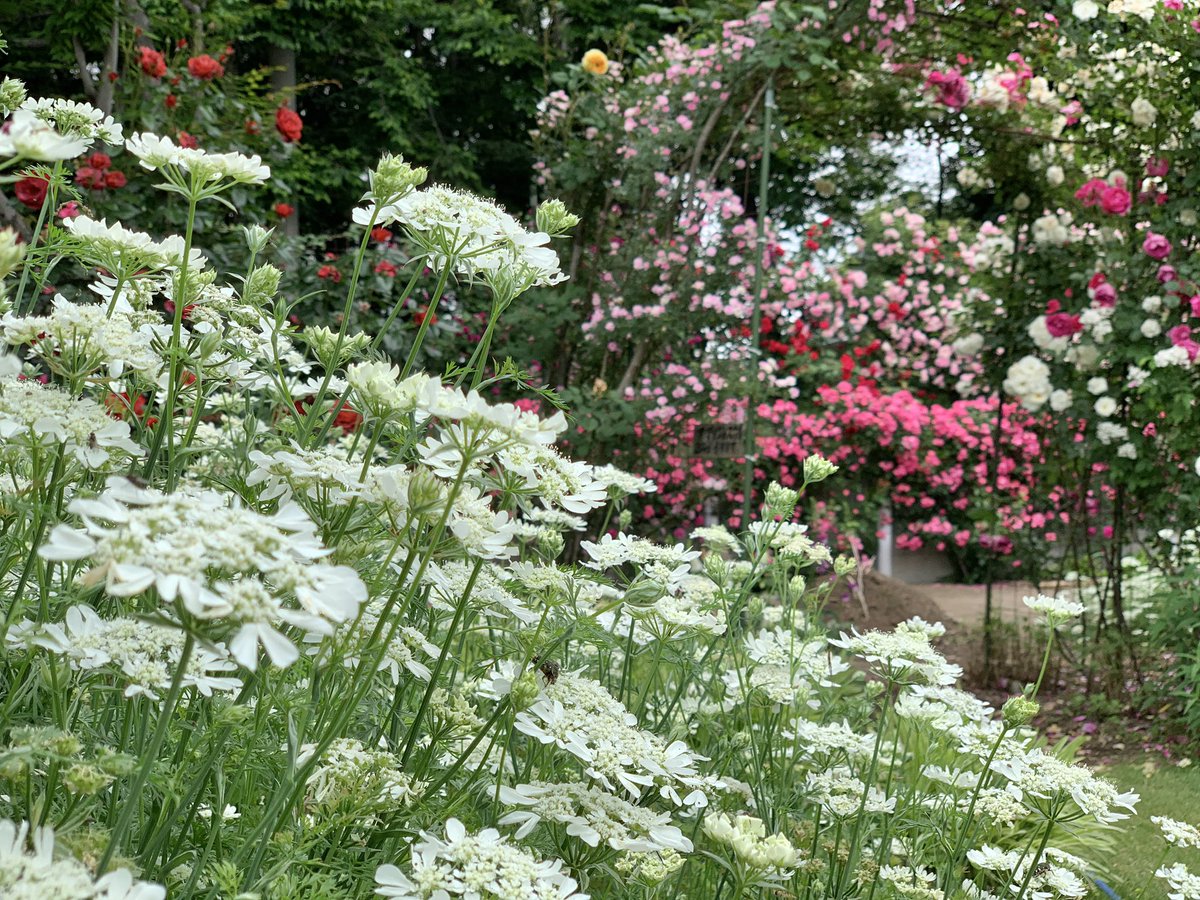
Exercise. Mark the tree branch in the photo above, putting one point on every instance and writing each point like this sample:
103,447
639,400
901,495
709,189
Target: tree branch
89,84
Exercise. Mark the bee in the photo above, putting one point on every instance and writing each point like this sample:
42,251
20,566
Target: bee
92,443
1041,869
549,669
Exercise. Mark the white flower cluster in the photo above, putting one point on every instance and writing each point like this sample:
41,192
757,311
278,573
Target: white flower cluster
483,866
77,340
33,415
1182,884
592,815
478,239
1178,834
158,153
224,563
1043,777
119,249
901,656
581,717
146,655
30,871
1056,610
349,774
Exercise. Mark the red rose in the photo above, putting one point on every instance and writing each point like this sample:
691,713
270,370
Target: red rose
100,161
171,101
188,141
347,419
380,234
152,62
329,272
283,210
252,127
93,179
289,124
205,67
383,267
32,191
114,179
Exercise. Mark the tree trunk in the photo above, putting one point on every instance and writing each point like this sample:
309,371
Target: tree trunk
282,61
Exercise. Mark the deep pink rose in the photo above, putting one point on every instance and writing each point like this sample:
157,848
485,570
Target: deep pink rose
1092,191
1105,294
1181,336
1062,324
1157,167
1156,246
1166,273
1195,305
952,89
1115,200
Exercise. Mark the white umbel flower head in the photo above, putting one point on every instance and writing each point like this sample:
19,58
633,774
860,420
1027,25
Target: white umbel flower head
160,153
247,575
30,871
75,119
1055,609
483,866
28,137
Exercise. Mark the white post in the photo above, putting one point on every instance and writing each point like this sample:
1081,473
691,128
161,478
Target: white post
883,559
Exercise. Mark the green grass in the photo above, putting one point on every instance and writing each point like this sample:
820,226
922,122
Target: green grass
1166,790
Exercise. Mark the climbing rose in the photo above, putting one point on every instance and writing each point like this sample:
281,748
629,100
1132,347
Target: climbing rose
953,90
288,124
1156,246
1115,200
596,62
32,191
152,62
205,67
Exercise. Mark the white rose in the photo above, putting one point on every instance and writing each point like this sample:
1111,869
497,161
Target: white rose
1152,304
1187,217
1127,451
1151,328
1085,10
1060,400
1055,176
824,187
1021,202
969,345
1143,112
1105,407
1097,386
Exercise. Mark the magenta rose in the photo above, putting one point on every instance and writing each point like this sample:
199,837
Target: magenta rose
1061,324
1166,273
1115,200
1156,246
1157,167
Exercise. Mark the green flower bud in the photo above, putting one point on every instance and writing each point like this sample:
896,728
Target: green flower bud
555,219
324,344
524,692
261,286
780,501
550,544
1018,711
11,252
624,519
424,492
257,237
86,779
817,468
393,178
12,95
844,565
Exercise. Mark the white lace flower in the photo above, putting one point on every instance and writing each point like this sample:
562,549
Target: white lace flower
1182,883
145,654
29,137
35,415
1041,776
483,866
581,717
117,248
620,483
1055,609
244,572
75,119
349,774
1178,834
901,656
30,871
157,152
78,340
593,816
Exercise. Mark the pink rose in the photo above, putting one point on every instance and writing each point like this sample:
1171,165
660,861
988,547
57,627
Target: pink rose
1156,246
1104,294
1092,191
1157,167
1061,324
1194,302
952,89
1166,273
1115,200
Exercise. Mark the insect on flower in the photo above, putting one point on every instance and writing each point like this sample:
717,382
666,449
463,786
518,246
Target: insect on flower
549,669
